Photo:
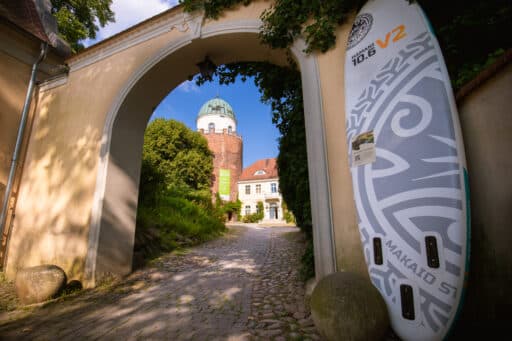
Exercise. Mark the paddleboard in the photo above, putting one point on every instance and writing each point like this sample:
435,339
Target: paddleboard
408,168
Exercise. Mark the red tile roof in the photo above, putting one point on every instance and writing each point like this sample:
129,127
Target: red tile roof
23,13
269,166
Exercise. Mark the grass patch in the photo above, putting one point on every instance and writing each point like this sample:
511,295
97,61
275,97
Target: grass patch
175,221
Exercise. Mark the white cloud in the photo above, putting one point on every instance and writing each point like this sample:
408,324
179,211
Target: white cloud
189,86
130,12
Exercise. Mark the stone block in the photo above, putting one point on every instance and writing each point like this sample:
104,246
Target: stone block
346,306
39,283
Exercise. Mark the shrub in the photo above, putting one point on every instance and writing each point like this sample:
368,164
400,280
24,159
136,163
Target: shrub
255,217
177,219
307,269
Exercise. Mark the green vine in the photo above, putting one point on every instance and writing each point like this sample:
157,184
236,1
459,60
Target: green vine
470,32
315,20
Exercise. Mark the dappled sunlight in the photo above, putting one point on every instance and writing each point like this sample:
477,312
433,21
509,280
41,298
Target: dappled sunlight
185,299
178,278
52,214
205,294
237,264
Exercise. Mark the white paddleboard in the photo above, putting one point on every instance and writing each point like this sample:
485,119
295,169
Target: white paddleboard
408,168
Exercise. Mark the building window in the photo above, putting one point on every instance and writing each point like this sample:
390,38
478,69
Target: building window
260,172
258,189
230,129
211,127
273,187
247,189
247,210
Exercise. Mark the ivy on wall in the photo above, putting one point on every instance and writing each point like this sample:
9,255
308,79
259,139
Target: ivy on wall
285,20
472,33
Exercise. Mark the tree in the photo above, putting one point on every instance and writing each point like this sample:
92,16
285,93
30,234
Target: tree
79,19
175,156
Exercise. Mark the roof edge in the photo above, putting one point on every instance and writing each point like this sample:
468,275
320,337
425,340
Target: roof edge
49,23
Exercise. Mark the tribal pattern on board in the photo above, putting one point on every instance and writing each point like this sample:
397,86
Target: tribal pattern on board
396,194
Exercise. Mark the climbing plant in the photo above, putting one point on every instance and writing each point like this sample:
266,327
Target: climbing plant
472,33
285,20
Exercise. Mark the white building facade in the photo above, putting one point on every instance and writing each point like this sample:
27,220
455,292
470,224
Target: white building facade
260,183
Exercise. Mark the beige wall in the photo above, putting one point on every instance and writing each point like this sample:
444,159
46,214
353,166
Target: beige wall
75,138
486,120
349,253
18,51
14,79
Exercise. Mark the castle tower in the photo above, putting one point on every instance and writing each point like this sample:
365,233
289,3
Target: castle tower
217,122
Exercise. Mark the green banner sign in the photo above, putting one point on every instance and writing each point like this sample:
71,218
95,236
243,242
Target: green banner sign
224,183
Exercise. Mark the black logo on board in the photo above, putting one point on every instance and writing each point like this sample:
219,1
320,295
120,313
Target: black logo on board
362,25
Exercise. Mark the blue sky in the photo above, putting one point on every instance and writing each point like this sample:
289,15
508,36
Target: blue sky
253,117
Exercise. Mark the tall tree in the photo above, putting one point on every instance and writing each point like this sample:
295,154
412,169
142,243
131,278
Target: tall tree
79,19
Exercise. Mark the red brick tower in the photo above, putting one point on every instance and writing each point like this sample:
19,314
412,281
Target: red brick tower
217,122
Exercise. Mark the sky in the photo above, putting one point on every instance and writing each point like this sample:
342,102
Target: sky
183,103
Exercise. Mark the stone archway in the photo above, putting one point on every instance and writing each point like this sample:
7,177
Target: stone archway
113,219
88,136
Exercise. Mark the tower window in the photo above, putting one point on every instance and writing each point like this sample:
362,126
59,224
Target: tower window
230,129
211,127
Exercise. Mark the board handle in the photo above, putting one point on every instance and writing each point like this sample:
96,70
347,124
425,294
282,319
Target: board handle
407,302
377,251
432,252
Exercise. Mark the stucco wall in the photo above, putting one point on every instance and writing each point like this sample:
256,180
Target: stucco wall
14,79
349,254
486,121
18,52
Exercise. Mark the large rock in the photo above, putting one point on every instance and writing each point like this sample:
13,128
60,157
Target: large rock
39,283
346,306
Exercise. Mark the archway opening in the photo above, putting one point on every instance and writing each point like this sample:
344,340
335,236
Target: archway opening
112,228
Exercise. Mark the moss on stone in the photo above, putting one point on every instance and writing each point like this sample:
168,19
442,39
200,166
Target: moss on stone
346,306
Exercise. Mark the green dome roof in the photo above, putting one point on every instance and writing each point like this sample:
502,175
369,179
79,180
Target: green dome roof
217,106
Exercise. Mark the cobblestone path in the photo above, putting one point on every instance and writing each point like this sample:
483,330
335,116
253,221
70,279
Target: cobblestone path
243,286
